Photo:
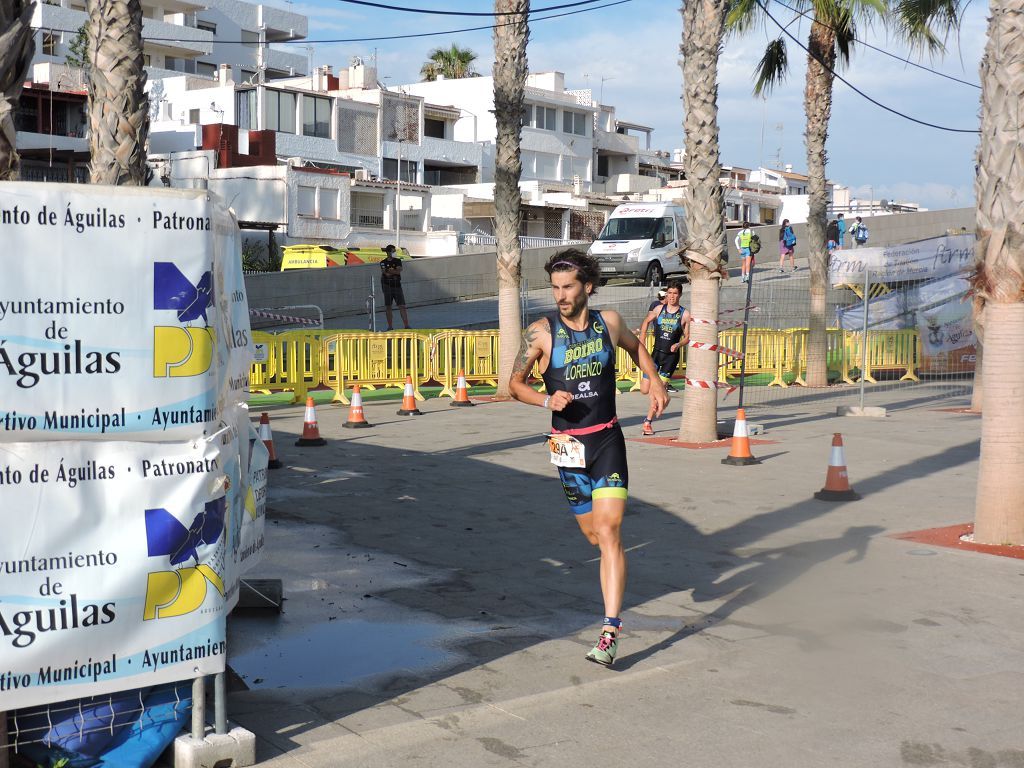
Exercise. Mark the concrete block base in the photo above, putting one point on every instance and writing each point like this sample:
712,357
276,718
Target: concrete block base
871,411
235,749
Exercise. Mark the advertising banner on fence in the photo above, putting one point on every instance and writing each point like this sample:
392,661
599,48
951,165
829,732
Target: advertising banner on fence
118,562
945,324
122,313
924,260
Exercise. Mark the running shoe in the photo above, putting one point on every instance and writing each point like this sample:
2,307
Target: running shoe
604,652
670,388
648,430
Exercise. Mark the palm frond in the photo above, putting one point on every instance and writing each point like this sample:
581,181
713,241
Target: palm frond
771,70
741,16
927,24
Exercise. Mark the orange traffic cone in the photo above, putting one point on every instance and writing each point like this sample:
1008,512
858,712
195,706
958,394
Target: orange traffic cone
267,436
356,420
461,393
739,453
409,400
837,483
310,430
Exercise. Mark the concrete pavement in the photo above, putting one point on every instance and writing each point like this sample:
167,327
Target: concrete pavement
441,599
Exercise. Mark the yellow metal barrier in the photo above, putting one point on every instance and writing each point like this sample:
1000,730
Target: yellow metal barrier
290,362
375,360
891,351
767,352
474,352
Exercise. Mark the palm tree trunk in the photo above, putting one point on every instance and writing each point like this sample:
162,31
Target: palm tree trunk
999,279
17,46
510,68
118,107
978,390
703,29
818,106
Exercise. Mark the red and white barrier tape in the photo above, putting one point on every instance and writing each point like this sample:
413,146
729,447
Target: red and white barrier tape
701,384
283,318
714,348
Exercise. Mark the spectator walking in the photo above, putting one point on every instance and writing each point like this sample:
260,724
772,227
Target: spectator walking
832,236
743,238
859,232
841,224
787,245
391,284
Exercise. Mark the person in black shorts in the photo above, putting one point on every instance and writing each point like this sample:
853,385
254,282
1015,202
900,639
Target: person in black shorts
575,348
391,284
671,332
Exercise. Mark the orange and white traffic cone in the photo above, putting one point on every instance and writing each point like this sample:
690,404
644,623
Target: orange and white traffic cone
837,483
356,419
267,436
409,400
461,392
739,453
310,429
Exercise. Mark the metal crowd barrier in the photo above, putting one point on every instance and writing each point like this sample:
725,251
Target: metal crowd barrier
298,361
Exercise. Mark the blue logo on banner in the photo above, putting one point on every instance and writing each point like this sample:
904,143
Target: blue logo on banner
172,290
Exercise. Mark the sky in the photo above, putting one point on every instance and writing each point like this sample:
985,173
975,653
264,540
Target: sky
630,52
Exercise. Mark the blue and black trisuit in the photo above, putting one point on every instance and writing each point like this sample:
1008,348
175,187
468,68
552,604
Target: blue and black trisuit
583,364
668,330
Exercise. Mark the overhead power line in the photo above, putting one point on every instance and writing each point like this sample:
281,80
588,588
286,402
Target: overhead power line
807,15
431,12
376,38
857,90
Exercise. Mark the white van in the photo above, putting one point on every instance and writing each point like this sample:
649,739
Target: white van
641,240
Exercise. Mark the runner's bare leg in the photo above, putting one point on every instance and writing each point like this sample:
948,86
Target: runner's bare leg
603,529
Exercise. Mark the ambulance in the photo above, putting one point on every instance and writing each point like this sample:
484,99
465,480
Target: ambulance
642,241
325,256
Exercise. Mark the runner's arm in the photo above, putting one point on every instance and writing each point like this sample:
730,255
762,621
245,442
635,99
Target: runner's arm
686,331
623,337
536,338
647,321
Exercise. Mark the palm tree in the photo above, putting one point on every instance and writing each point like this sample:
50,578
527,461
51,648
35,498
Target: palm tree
17,46
829,44
451,63
118,107
703,30
511,32
999,279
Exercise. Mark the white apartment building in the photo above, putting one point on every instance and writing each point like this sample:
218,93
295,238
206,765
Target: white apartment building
188,37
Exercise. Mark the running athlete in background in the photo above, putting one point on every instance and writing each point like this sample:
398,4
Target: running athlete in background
575,348
671,332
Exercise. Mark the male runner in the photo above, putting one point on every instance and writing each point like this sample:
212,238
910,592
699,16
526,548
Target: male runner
576,351
671,332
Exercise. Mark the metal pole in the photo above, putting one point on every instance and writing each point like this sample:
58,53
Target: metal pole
199,708
220,705
398,200
371,303
864,337
743,341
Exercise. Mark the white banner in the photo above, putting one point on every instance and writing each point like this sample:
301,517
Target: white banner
122,313
924,260
119,561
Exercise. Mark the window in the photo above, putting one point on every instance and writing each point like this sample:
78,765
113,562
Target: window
147,60
250,39
207,26
410,169
307,201
433,128
547,166
527,114
245,109
316,116
280,111
205,68
574,122
367,210
602,165
328,203
50,42
544,117
193,116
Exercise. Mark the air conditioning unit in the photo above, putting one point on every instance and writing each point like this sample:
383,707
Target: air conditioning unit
362,174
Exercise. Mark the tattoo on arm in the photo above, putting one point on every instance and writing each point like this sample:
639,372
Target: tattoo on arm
522,362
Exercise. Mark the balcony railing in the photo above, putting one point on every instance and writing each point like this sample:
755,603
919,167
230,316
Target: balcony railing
370,218
475,238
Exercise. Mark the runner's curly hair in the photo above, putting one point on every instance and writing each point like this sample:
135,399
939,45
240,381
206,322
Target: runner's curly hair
575,259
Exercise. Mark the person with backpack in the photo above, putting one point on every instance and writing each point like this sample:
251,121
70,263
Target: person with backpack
859,231
832,236
787,245
747,243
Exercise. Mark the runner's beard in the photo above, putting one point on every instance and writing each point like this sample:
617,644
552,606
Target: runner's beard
575,309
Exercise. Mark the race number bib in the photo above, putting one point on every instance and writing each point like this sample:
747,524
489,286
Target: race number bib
566,451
